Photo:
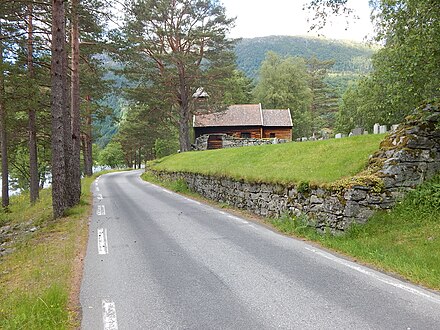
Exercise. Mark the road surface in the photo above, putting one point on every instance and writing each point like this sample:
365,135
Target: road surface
157,260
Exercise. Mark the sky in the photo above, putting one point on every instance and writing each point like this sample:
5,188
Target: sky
258,18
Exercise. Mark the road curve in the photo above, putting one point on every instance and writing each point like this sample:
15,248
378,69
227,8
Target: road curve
157,260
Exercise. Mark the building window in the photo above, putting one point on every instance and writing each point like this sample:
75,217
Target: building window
245,135
272,135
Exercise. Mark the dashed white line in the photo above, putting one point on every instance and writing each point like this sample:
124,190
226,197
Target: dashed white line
109,315
99,197
101,210
97,188
376,276
102,241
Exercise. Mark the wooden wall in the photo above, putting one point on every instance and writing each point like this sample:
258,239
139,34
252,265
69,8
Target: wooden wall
284,133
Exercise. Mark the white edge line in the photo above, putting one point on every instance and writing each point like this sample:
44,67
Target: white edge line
109,315
97,188
237,219
376,276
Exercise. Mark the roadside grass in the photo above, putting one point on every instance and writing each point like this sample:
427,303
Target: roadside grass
404,241
178,186
37,279
313,162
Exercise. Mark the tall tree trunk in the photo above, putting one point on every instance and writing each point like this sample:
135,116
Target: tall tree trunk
33,160
58,108
87,140
184,141
75,106
184,113
3,134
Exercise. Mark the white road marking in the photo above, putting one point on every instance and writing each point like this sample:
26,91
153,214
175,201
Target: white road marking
96,183
97,188
376,276
99,197
167,191
109,315
238,219
102,241
101,210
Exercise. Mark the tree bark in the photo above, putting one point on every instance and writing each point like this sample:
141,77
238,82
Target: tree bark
58,107
3,134
32,126
75,106
184,113
87,140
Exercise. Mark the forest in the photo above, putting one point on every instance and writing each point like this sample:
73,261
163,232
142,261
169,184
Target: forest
76,91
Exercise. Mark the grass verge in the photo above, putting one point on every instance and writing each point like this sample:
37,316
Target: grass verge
40,279
282,163
404,241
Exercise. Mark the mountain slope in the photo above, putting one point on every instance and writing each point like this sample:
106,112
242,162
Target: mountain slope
350,57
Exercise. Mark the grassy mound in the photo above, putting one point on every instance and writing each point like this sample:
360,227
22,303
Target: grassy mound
316,162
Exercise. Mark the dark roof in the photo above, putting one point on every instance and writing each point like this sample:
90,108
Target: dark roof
244,115
277,117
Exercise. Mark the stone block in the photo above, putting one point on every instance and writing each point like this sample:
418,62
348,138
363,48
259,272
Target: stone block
376,128
355,194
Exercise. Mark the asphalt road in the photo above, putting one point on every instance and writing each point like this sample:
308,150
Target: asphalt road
157,260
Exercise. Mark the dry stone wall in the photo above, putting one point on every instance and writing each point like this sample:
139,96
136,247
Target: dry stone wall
407,157
228,141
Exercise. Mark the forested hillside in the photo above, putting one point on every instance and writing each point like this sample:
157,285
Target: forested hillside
350,57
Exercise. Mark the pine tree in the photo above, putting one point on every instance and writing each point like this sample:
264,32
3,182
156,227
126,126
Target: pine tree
58,109
178,46
3,133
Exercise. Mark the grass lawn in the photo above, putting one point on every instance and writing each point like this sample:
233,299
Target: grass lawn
37,281
314,161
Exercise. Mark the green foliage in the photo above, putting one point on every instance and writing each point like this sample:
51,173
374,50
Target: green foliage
405,71
171,48
283,83
112,155
350,57
300,86
238,89
166,146
324,104
315,162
